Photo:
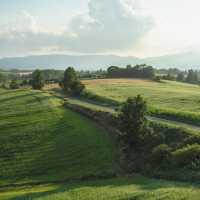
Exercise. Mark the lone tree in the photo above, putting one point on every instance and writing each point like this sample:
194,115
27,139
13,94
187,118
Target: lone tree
134,128
133,123
37,80
71,83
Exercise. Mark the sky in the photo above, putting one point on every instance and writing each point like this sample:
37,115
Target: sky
142,28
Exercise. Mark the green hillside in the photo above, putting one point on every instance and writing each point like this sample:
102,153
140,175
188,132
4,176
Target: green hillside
166,95
136,188
43,141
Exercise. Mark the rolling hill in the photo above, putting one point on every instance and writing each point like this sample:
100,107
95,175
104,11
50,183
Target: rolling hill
93,62
43,141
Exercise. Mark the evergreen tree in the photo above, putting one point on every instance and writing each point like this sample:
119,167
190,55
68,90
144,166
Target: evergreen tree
71,83
180,76
37,80
192,76
133,122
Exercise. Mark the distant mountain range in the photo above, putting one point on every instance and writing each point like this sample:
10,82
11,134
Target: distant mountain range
93,62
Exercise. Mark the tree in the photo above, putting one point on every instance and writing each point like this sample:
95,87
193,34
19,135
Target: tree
69,78
192,76
133,122
14,85
76,88
180,76
71,83
3,78
37,80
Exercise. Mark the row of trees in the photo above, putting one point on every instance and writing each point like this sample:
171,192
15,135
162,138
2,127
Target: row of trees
138,71
190,76
70,83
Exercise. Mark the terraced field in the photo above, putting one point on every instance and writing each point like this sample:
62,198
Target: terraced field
43,141
169,95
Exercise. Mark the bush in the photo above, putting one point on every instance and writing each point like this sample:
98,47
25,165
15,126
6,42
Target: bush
161,155
77,88
14,85
188,157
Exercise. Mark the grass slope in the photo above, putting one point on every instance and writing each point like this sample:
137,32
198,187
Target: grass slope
134,188
42,141
167,94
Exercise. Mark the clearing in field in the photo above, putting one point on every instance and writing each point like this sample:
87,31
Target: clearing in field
165,94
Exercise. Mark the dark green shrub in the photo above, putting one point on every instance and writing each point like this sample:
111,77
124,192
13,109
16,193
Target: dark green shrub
77,88
188,157
161,155
14,85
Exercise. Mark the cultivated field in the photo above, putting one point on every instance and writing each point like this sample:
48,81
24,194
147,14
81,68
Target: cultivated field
168,95
43,141
133,188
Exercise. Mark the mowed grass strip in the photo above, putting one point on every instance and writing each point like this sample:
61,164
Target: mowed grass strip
139,188
169,95
43,141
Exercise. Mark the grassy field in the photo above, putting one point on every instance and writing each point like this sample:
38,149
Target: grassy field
43,141
136,188
169,95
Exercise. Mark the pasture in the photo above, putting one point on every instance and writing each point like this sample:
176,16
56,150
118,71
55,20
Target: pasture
137,187
168,95
43,141
49,152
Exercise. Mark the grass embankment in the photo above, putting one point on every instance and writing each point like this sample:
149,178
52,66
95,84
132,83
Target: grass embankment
138,188
168,99
43,141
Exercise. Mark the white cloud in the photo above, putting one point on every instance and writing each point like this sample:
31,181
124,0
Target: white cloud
109,25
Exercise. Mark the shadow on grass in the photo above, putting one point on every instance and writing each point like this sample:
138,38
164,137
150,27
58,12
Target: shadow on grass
15,97
143,185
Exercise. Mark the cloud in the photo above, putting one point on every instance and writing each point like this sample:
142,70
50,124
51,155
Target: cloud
109,25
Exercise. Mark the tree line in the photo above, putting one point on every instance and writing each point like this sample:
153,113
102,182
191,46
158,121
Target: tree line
138,71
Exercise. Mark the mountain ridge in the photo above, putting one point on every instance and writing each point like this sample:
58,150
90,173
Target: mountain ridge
93,62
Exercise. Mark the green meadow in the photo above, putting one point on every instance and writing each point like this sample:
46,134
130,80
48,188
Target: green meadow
48,152
135,188
43,141
170,95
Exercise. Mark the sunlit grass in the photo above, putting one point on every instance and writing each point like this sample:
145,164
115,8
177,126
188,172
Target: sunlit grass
114,189
43,141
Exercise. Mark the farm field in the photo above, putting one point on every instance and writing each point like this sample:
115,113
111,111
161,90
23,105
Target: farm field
43,141
113,189
168,95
